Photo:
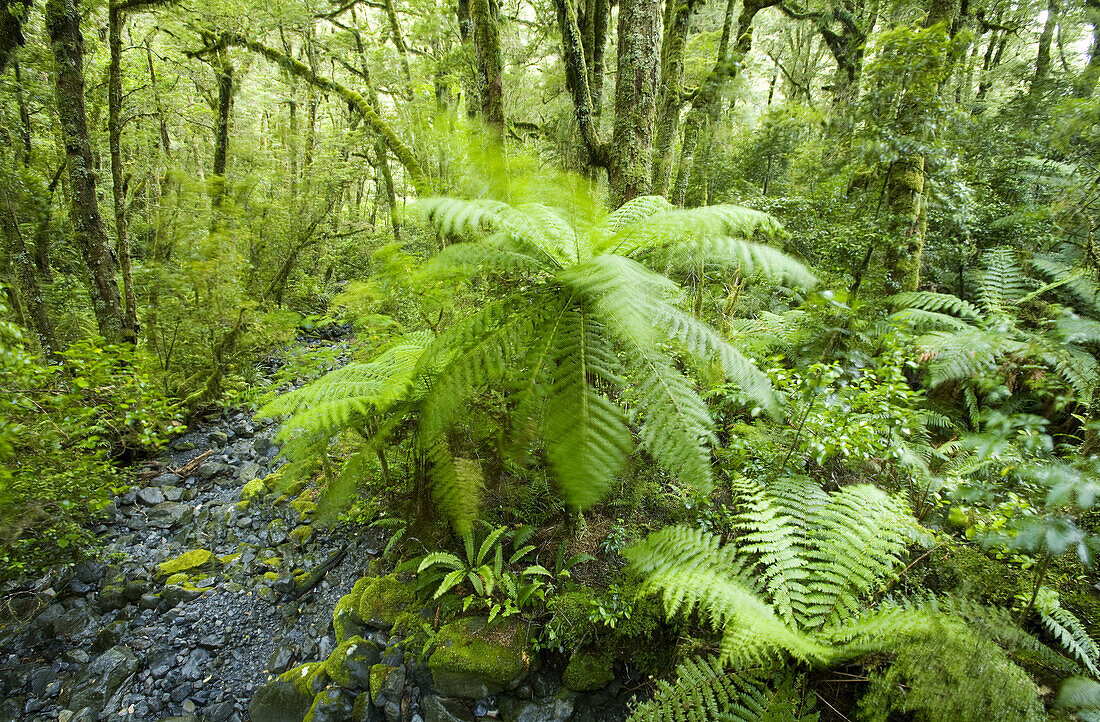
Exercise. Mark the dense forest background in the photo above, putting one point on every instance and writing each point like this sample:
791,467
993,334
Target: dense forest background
768,329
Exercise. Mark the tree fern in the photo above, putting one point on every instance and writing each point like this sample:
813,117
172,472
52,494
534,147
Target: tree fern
1068,631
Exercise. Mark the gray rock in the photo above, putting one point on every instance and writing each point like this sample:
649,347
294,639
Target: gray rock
169,514
281,659
445,709
195,665
243,429
172,493
150,495
217,438
279,701
165,480
208,469
102,678
551,710
249,470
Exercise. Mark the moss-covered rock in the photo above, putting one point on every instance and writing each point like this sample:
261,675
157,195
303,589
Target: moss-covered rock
345,617
587,671
304,507
473,660
330,705
177,579
383,600
379,673
279,701
253,490
301,534
196,560
350,663
309,678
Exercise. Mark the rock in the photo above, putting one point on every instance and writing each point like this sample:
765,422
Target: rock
243,429
250,471
252,490
181,445
195,666
172,493
102,678
179,595
551,710
108,637
332,705
165,480
208,469
191,562
169,514
217,438
587,671
471,664
150,495
281,659
276,532
279,701
443,709
383,600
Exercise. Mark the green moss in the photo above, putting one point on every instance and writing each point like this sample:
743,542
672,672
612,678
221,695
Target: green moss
308,679
301,534
252,490
379,673
195,560
587,671
304,507
177,579
230,558
271,562
242,506
336,664
271,481
347,609
473,660
362,707
383,600
271,576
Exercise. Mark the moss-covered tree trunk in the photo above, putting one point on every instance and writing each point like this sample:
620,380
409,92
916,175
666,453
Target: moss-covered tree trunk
223,70
29,289
1042,58
488,65
671,98
12,14
67,43
629,169
115,21
1086,81
905,182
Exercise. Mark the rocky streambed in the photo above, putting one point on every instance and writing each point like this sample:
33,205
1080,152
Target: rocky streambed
217,600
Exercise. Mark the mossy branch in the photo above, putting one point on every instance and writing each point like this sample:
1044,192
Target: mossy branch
401,151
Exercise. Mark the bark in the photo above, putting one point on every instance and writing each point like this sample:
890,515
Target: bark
488,65
223,67
577,82
67,42
1042,59
12,14
671,101
905,183
29,289
115,21
24,115
401,151
1086,81
629,169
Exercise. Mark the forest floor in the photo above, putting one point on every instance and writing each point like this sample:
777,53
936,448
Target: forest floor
109,636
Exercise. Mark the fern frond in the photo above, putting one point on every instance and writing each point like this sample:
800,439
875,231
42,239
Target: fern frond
1068,630
861,538
965,354
587,439
626,215
704,343
457,488
691,570
686,225
936,302
1078,330
1082,289
705,691
470,258
1003,281
728,252
921,320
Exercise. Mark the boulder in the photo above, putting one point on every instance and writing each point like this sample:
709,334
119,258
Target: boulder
279,701
99,681
169,514
332,705
587,671
443,709
472,660
558,709
150,495
383,600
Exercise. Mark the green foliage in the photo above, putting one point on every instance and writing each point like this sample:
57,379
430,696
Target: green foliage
706,690
60,429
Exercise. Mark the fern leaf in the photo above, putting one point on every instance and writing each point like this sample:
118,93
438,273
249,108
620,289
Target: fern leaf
1068,630
1003,281
587,439
628,214
936,302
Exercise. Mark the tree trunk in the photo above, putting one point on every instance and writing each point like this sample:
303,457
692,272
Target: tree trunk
1086,81
24,115
577,81
488,65
629,169
223,68
28,281
63,26
12,14
1042,59
671,101
115,21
